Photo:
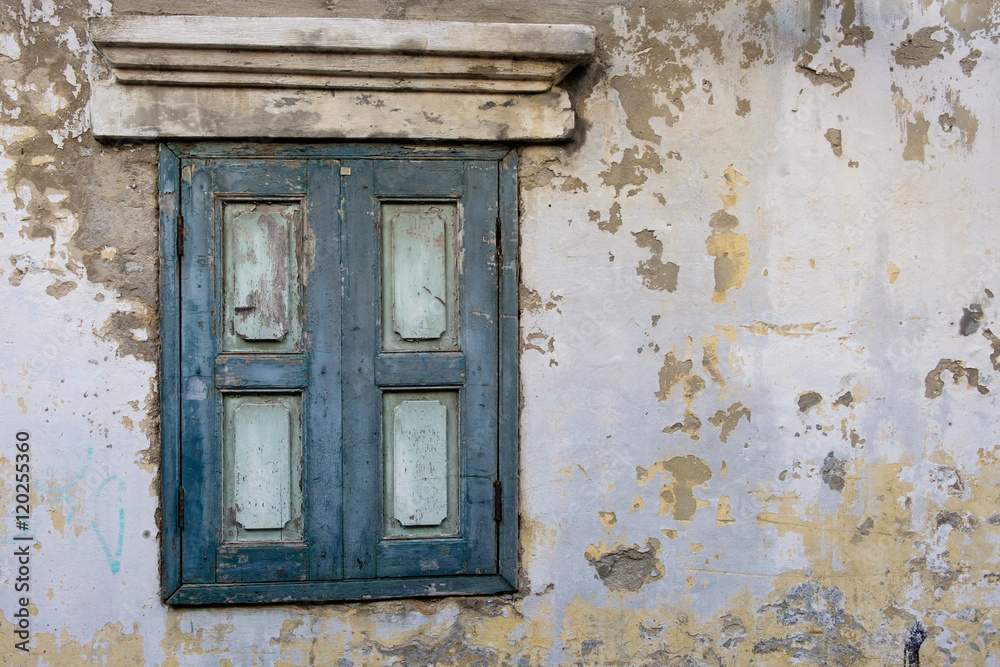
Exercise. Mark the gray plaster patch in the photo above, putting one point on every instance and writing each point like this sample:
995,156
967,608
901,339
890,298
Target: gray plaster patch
655,273
833,472
919,49
841,75
628,568
864,530
808,399
826,630
972,317
934,384
834,136
969,62
846,399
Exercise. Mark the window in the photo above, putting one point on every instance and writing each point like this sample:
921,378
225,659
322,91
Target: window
339,367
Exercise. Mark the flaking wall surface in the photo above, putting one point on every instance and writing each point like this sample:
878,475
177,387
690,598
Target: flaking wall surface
758,361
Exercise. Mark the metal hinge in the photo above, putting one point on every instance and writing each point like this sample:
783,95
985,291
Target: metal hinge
180,507
179,236
498,501
499,244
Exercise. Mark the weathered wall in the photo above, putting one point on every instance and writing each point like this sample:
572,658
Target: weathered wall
758,368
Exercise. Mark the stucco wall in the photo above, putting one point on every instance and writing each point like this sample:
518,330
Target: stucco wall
758,373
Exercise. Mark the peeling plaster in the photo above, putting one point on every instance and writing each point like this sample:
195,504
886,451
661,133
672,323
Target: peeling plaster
920,49
868,539
934,384
655,273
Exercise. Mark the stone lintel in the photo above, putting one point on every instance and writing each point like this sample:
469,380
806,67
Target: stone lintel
202,77
121,112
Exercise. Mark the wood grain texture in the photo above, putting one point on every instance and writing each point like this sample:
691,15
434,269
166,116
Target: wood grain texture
259,259
418,287
420,369
419,443
245,371
262,467
324,416
319,591
170,372
509,387
201,404
261,474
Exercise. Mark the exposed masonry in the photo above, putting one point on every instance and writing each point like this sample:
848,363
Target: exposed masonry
758,356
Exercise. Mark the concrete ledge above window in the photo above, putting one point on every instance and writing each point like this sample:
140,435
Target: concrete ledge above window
219,77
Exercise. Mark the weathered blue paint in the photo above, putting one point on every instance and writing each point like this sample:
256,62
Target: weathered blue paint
342,372
509,387
170,330
420,369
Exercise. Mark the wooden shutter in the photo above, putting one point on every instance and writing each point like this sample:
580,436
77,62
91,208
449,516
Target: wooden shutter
260,238
339,373
422,303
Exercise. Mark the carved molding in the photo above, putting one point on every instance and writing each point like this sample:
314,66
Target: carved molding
315,78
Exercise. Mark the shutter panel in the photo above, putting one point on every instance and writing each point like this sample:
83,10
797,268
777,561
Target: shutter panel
251,392
431,301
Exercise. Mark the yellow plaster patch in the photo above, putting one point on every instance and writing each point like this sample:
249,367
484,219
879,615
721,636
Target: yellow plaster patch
671,374
20,404
732,260
916,138
109,646
677,498
732,257
893,271
876,551
727,420
637,504
11,134
58,519
608,519
536,538
759,328
288,628
728,332
729,190
710,358
723,514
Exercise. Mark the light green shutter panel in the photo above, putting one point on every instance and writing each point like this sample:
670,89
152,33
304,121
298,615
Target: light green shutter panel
420,463
262,439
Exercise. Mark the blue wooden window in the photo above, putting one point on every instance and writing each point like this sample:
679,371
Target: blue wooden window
339,388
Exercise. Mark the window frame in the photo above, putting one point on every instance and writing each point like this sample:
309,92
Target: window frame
176,592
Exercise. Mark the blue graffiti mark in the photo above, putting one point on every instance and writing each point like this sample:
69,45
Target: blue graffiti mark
58,490
114,560
59,493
